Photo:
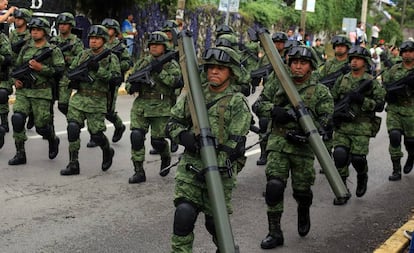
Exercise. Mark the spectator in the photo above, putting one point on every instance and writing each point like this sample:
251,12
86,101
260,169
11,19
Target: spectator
129,32
353,37
375,34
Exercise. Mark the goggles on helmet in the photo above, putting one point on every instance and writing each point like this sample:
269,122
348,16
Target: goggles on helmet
219,55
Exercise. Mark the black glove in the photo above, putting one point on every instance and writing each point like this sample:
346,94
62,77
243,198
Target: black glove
156,67
281,116
356,97
263,122
93,66
189,141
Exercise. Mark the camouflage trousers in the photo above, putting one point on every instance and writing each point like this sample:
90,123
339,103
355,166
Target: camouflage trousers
356,144
4,106
64,94
95,123
199,197
280,164
116,120
41,109
403,123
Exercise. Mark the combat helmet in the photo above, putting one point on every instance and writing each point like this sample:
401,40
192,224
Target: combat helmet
98,31
23,14
112,23
158,38
279,36
341,40
360,52
66,18
169,25
302,52
226,40
40,23
406,46
224,29
223,56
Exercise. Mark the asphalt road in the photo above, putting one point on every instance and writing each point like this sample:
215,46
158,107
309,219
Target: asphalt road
97,211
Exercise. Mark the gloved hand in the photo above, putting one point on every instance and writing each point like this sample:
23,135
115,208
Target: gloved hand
189,141
281,116
263,122
356,97
156,67
93,66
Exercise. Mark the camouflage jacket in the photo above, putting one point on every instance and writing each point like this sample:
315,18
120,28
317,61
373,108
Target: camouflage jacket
5,57
121,52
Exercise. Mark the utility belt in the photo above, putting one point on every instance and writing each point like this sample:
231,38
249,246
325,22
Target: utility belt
95,93
200,174
153,95
292,135
39,86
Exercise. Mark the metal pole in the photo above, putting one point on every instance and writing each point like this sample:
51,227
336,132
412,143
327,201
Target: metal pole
227,13
303,16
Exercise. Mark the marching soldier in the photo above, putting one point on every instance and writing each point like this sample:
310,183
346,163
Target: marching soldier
5,88
152,106
352,133
89,103
35,95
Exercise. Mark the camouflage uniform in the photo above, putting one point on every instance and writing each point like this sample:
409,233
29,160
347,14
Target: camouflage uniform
38,97
229,117
89,103
69,53
400,115
5,89
288,149
152,108
351,135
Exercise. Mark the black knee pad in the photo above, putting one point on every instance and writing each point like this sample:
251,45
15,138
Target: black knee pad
275,188
209,224
98,138
409,145
184,219
395,137
45,131
111,117
303,198
159,144
359,162
341,156
63,108
137,138
18,120
4,96
73,131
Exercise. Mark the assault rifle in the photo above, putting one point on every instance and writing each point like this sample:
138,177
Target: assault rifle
330,79
65,46
81,73
25,74
342,110
258,74
118,49
17,46
143,76
398,87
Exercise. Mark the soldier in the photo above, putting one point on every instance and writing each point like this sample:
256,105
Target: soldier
400,113
224,29
35,95
320,50
169,28
89,102
5,88
352,133
288,149
125,61
152,106
70,46
229,116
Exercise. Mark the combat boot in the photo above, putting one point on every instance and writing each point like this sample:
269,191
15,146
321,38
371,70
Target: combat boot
362,180
154,152
275,236
174,147
342,200
108,154
91,144
73,167
4,122
409,164
20,157
165,162
139,175
53,147
118,133
2,134
303,220
396,170
263,155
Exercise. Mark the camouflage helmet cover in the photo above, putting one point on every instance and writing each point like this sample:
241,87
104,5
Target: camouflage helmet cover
360,52
226,40
98,31
406,46
158,38
279,36
169,25
224,29
65,18
223,56
40,23
112,23
23,14
341,40
302,52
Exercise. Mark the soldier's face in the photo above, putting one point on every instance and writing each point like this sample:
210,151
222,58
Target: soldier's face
64,28
280,45
357,63
218,74
96,43
300,68
341,50
111,32
37,33
19,22
156,49
408,56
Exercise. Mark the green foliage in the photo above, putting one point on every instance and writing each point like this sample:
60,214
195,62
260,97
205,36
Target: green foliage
391,32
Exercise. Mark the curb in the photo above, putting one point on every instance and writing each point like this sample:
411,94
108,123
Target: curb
397,242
